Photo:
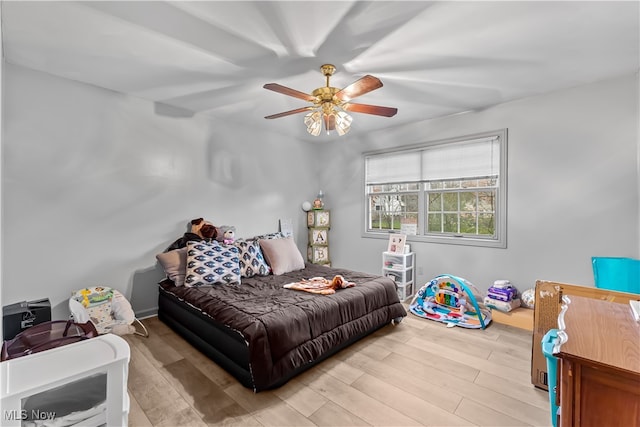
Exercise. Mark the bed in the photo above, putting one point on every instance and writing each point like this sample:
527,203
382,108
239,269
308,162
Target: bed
264,334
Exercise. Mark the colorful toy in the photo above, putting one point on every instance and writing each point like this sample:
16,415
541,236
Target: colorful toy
107,309
452,300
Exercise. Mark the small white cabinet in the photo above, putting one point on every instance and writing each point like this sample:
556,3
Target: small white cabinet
400,268
84,383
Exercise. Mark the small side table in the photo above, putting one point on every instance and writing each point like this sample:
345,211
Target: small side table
399,267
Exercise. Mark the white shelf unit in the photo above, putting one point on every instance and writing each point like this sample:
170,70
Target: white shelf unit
96,368
400,267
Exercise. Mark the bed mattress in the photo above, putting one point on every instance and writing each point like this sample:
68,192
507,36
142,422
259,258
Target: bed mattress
284,330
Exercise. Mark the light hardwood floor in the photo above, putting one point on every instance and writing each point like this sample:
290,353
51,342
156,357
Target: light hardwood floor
416,373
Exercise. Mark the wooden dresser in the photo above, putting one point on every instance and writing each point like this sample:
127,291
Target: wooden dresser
599,365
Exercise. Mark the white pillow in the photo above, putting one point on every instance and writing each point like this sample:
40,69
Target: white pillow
175,264
282,255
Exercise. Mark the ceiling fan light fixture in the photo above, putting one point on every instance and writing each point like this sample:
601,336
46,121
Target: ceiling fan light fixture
329,121
313,121
332,119
330,104
343,122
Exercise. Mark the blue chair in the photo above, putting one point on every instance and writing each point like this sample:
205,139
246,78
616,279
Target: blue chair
617,274
548,343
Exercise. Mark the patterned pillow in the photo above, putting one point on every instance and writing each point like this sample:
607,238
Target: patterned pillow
211,263
251,259
268,236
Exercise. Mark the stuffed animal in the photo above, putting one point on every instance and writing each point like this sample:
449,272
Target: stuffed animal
204,229
226,234
199,230
339,282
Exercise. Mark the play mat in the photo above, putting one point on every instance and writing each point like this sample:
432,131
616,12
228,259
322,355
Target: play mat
452,300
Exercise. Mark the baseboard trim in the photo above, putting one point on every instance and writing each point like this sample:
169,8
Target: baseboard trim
150,312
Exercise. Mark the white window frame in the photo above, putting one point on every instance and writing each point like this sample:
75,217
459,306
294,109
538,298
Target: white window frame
499,240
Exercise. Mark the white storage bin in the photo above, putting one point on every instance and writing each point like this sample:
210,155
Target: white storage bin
38,387
400,267
405,292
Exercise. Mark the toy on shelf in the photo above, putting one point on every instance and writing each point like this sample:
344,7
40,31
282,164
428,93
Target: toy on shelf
452,300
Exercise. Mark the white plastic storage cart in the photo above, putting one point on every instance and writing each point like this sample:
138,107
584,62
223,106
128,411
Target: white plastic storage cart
84,383
400,268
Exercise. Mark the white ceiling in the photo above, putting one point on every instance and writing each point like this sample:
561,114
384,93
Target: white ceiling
434,58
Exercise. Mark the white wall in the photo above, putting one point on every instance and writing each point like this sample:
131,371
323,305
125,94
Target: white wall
572,188
95,183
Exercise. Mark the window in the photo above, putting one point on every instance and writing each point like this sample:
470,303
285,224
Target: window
451,191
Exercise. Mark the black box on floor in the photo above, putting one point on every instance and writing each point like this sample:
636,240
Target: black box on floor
22,315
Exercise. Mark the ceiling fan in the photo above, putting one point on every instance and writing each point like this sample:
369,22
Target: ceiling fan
330,104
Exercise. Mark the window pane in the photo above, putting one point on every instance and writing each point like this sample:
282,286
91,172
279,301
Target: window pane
435,185
435,223
374,213
450,201
450,223
486,224
486,201
435,202
389,211
487,182
468,223
470,183
374,189
393,188
374,203
452,184
409,223
410,202
468,202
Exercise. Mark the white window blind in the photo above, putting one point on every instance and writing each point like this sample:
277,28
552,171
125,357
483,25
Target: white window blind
467,159
393,168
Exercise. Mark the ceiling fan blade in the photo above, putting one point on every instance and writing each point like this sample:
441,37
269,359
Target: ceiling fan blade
288,91
359,87
371,109
288,113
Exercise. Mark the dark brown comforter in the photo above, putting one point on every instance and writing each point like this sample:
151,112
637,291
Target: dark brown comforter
285,329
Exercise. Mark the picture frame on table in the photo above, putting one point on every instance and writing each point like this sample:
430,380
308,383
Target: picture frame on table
396,243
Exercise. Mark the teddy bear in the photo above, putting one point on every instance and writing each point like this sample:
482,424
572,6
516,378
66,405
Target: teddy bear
226,234
199,230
